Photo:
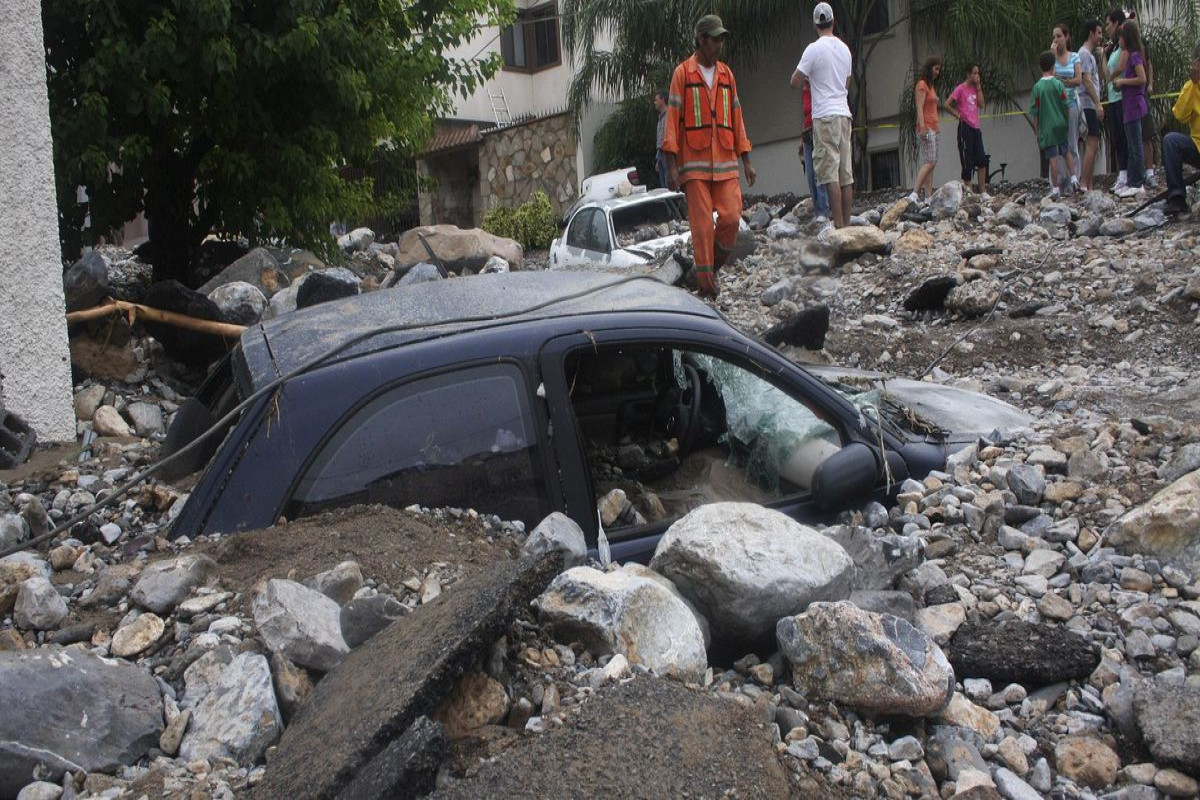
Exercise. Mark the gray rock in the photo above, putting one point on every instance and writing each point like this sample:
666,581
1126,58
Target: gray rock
494,265
325,285
88,400
897,603
164,585
1097,202
1184,460
782,229
39,606
356,240
339,584
873,662
558,532
906,748
238,718
239,302
1119,226
283,301
69,710
41,790
147,418
974,298
1055,214
777,292
815,256
1020,652
85,283
745,567
947,754
420,273
947,200
1169,719
1011,787
1164,526
1027,483
258,268
1014,215
13,530
362,618
622,611
879,558
1150,218
301,623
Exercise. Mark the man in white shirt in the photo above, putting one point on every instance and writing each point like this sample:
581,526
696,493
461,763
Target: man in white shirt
826,66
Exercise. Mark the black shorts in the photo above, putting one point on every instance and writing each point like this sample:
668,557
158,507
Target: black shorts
1093,123
970,150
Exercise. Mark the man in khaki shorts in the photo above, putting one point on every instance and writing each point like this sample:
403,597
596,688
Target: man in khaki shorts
826,66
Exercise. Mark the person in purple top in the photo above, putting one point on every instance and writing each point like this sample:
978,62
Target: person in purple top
965,103
1131,80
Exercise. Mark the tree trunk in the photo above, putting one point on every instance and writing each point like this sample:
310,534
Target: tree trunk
174,229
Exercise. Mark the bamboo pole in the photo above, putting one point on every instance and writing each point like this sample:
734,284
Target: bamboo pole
135,310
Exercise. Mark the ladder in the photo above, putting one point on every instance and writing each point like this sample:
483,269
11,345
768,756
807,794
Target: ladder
499,105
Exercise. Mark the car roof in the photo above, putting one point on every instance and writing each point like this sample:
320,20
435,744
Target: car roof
283,344
631,200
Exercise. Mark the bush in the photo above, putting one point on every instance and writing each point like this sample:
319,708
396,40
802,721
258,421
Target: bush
626,139
532,224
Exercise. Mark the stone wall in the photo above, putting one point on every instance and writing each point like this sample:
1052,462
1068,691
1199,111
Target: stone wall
34,358
516,161
451,194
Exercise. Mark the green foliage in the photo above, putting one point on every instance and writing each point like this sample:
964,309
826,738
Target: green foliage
533,224
233,116
627,139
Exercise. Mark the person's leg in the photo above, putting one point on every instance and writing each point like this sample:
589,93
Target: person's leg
1116,129
964,151
819,196
845,169
700,220
727,202
924,179
834,191
1052,157
1135,167
660,164
1178,149
1073,118
1092,125
826,156
983,186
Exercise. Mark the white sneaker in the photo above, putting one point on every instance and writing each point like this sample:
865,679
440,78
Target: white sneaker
1054,191
1122,181
1131,191
913,198
820,219
1074,184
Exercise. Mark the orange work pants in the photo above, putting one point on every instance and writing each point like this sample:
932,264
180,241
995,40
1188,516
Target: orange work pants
704,197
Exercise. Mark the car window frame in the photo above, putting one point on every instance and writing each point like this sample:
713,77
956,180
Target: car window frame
586,232
581,504
528,390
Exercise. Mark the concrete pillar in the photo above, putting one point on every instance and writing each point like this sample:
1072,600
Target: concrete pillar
34,357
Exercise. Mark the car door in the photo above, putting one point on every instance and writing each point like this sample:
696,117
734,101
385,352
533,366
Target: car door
580,242
617,391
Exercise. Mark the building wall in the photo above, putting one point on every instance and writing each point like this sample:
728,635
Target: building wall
34,358
515,162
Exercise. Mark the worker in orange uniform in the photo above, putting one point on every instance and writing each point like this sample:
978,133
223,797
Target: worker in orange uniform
704,139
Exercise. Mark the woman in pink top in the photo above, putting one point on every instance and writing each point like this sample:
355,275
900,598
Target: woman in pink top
965,103
926,98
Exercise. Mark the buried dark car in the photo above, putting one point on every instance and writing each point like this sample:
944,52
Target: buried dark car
620,401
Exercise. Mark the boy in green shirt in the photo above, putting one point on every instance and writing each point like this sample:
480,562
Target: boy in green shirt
1048,108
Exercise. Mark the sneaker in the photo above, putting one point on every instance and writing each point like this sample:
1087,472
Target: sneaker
820,219
1131,191
1122,182
913,198
1054,191
1074,184
1151,179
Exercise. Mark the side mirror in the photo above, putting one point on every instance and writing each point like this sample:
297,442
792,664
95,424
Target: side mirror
846,477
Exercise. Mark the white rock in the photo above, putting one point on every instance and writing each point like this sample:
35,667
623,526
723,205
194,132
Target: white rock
301,623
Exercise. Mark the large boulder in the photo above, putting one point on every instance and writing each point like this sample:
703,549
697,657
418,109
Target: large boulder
745,567
974,298
326,285
629,613
301,623
1165,526
184,345
238,717
460,251
258,268
13,531
164,585
241,303
1168,717
947,200
70,710
557,532
1020,652
873,662
85,283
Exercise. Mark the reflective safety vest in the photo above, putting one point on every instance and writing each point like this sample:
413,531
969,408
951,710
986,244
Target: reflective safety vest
704,126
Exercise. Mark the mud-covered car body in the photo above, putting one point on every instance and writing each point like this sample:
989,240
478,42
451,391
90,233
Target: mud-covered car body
623,231
603,397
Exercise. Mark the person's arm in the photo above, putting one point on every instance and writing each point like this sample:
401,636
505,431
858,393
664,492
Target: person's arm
1185,105
671,134
979,96
1138,79
919,96
952,105
798,79
1149,76
1077,77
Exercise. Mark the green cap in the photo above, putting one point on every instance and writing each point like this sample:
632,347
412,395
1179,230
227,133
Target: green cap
710,25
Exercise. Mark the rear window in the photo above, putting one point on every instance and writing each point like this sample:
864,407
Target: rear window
464,439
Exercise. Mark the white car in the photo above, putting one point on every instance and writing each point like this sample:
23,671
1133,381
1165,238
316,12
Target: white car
622,231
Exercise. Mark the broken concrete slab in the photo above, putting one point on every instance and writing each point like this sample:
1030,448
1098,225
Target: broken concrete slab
713,749
406,768
400,674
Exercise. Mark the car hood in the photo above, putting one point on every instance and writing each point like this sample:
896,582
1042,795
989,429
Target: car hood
961,413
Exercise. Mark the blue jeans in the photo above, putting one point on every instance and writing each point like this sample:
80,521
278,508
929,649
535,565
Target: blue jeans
1178,149
660,165
818,193
1136,168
